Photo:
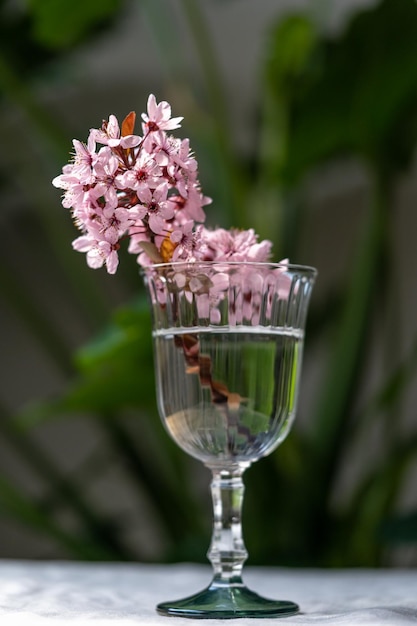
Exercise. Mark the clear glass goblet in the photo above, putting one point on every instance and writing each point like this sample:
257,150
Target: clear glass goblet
228,341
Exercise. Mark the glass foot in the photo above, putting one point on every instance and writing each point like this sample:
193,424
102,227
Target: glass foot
227,601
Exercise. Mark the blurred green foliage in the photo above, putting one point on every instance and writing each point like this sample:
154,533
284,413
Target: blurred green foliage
322,97
62,24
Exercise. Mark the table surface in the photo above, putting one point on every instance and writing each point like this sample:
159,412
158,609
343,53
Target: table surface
48,593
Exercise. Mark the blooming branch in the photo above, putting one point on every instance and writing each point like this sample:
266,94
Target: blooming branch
145,188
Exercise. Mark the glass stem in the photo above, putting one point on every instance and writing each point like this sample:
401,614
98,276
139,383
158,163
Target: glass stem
227,551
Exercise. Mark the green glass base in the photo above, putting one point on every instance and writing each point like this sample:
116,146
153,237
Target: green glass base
227,602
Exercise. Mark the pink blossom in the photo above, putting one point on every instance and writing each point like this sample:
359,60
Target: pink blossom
185,158
192,205
115,225
163,146
74,189
186,240
159,117
137,234
84,159
234,245
145,190
144,173
178,180
98,253
109,134
159,208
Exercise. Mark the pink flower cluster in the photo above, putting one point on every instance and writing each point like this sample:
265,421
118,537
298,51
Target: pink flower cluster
120,185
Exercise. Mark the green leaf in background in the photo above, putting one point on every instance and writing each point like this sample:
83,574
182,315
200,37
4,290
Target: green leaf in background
361,95
291,44
116,370
62,23
15,26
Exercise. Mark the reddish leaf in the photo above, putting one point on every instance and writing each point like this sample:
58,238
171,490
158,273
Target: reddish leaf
128,124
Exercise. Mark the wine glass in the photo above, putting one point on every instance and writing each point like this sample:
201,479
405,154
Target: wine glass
228,341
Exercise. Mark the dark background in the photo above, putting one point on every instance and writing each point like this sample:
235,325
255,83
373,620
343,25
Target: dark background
304,123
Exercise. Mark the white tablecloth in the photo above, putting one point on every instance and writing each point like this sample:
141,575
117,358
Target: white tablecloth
39,593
